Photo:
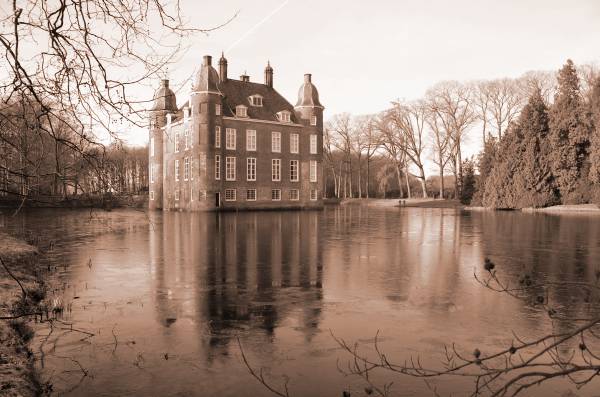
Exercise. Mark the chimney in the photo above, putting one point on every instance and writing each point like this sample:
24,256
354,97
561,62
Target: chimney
307,78
207,60
223,68
164,83
269,75
245,78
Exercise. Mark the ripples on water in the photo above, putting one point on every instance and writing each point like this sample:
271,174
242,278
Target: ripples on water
178,289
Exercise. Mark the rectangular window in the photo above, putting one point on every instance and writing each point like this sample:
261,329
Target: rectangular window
276,170
176,141
313,120
177,195
151,194
251,140
241,111
294,195
176,170
186,168
151,173
251,169
294,145
313,194
186,137
251,195
202,165
230,138
217,167
313,170
191,193
276,142
276,194
230,168
230,194
217,136
294,171
313,144
218,109
151,147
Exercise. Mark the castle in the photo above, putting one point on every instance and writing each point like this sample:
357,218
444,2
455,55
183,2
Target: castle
235,144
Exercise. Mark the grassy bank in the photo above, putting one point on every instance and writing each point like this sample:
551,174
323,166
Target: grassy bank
412,202
22,290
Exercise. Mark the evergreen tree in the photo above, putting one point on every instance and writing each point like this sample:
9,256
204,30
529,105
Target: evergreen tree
468,181
499,191
594,175
569,132
485,164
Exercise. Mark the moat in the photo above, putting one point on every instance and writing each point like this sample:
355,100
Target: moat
167,295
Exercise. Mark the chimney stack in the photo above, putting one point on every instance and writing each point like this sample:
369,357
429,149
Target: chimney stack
307,78
245,78
207,60
269,75
223,68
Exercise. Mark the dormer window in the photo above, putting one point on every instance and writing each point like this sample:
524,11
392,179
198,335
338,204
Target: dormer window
241,111
256,100
284,116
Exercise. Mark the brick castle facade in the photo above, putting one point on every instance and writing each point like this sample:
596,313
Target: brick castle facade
235,144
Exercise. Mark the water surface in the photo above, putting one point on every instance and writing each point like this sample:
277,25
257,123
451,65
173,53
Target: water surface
168,295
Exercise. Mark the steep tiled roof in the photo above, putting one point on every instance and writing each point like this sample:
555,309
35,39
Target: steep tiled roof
236,92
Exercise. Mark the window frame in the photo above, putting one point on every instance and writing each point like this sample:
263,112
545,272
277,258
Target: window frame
186,168
313,120
313,171
275,197
217,167
176,142
217,136
248,197
297,178
176,170
297,196
230,168
248,140
230,138
151,194
230,191
316,194
294,143
275,138
251,162
241,111
217,109
275,177
314,144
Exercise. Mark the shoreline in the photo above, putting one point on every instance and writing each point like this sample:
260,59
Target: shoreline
18,376
402,203
582,209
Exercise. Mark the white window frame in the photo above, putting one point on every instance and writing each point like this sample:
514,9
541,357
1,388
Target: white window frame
151,173
230,194
285,116
251,140
313,120
295,197
152,147
218,136
218,109
251,169
186,136
275,194
313,170
276,170
256,100
217,167
241,111
314,193
230,165
294,164
176,170
186,168
248,198
176,194
176,143
276,142
313,144
294,143
230,138
151,194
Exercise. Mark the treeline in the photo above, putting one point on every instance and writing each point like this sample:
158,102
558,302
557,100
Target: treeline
386,154
43,157
550,154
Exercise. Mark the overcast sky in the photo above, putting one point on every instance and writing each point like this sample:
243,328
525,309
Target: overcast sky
364,54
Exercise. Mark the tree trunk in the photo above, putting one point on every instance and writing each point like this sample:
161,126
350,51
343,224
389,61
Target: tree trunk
399,176
422,179
441,179
368,174
359,183
408,192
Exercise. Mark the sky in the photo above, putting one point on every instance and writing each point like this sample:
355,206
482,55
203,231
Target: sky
363,55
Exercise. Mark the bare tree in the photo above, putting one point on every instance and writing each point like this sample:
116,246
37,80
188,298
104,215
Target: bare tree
328,152
393,142
506,100
410,120
77,64
341,125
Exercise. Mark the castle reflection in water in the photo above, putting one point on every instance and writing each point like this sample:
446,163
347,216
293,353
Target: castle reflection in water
230,272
